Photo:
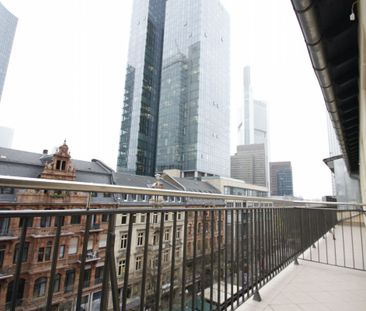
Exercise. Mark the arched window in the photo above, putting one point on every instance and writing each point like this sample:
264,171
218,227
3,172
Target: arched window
40,287
20,292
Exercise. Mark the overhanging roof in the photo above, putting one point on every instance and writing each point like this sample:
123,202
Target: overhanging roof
332,42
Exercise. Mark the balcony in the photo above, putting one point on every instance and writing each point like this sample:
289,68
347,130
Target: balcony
90,257
239,253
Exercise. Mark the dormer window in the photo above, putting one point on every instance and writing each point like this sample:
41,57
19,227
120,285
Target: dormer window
60,165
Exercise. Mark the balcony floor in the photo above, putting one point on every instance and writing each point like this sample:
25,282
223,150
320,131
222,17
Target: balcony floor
312,287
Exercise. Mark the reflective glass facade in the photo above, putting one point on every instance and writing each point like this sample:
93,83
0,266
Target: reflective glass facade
8,24
281,179
193,130
137,148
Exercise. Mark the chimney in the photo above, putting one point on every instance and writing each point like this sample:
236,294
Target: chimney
45,152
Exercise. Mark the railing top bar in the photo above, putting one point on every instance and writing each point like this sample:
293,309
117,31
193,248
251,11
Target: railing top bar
48,184
70,212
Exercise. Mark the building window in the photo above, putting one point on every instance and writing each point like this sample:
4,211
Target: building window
87,274
177,253
140,239
166,256
44,253
45,221
178,233
155,238
99,275
73,245
142,218
179,216
105,217
155,218
6,190
124,219
69,281
19,294
39,287
90,244
29,222
56,283
25,252
166,216
2,254
75,219
102,240
167,235
138,263
123,241
121,266
61,252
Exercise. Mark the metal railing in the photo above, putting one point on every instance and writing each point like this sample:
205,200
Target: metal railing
344,245
222,256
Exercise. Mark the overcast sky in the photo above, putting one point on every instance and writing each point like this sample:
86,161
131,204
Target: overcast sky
66,81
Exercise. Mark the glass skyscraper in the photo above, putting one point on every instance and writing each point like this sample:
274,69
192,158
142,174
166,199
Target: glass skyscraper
8,24
193,133
137,147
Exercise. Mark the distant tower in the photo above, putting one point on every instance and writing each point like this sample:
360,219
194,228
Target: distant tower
253,121
252,130
193,133
281,179
249,164
6,137
8,24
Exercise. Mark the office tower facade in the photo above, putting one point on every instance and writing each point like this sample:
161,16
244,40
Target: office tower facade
249,164
281,178
6,137
193,133
8,24
137,147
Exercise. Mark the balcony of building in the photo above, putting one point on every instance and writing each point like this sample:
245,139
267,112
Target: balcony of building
225,253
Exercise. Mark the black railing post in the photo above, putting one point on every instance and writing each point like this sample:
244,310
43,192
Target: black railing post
54,262
144,267
128,257
19,260
111,268
183,293
83,255
158,278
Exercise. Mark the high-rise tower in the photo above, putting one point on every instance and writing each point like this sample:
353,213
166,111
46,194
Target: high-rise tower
251,159
137,147
8,24
193,133
253,123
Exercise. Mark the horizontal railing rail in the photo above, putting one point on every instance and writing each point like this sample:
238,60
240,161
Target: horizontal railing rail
48,184
207,254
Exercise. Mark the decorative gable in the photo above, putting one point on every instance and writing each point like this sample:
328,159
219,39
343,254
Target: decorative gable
60,166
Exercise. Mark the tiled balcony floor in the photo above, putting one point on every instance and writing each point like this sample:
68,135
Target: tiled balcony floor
314,287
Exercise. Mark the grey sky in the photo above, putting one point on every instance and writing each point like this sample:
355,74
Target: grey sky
66,80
